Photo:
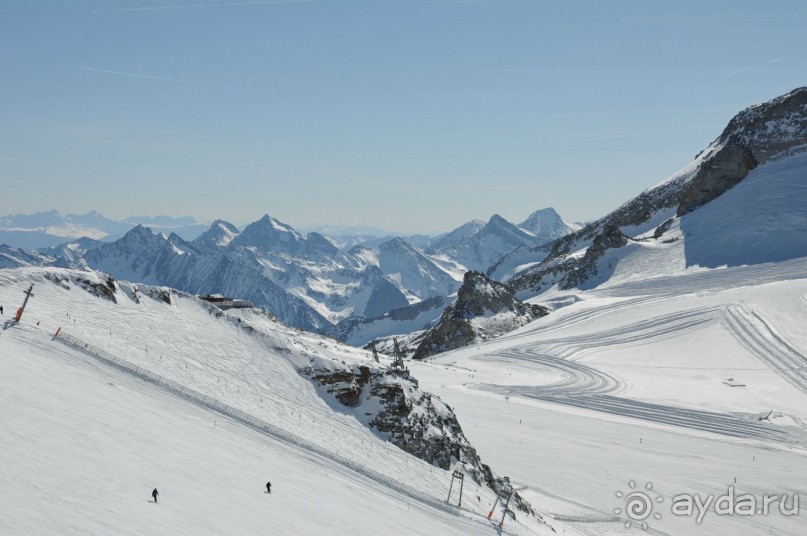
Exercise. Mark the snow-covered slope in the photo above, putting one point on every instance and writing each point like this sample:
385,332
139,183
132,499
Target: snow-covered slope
204,406
417,275
693,384
762,143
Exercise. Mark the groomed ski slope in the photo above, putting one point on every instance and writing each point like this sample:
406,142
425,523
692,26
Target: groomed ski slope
631,383
84,442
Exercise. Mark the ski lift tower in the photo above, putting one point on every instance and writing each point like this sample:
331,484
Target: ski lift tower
398,365
28,294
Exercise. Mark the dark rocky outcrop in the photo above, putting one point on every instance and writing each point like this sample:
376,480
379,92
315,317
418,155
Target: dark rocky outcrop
415,421
479,298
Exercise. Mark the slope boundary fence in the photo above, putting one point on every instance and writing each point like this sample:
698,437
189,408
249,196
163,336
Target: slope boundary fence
247,419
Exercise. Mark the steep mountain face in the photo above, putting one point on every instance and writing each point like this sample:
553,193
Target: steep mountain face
486,246
414,273
518,260
547,224
220,234
269,235
142,255
306,281
484,309
456,237
769,133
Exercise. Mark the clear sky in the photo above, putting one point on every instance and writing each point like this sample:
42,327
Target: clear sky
409,115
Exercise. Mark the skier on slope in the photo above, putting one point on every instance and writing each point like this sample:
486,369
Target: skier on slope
268,487
154,494
1,309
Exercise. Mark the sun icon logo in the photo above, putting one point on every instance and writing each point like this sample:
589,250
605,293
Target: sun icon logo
638,505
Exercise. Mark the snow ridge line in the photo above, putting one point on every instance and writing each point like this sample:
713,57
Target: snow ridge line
247,419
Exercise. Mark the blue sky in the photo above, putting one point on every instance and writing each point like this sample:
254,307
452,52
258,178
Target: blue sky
410,115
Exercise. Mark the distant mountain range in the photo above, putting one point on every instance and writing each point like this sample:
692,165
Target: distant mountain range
50,228
307,280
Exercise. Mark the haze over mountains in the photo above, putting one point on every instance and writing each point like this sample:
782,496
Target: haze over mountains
696,219
663,343
306,281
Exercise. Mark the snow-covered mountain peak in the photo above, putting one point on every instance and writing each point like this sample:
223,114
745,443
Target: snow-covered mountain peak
269,234
143,235
547,224
220,234
319,246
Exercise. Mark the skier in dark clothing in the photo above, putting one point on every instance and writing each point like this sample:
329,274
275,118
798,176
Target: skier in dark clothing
1,309
154,494
268,487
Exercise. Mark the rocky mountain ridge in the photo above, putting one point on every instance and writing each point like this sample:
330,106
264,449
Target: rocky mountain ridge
760,134
484,309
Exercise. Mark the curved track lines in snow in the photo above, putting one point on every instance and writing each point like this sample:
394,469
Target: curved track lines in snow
586,315
576,378
757,336
651,328
588,388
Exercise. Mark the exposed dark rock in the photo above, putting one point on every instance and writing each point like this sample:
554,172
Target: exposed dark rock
415,421
102,290
478,298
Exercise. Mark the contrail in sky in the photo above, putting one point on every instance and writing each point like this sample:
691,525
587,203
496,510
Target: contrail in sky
175,80
738,71
198,6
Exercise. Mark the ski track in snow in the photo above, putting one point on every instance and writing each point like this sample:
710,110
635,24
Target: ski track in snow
241,417
119,372
707,280
588,388
763,342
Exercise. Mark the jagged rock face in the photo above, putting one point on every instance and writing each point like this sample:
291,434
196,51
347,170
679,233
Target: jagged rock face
577,272
417,422
753,137
484,309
